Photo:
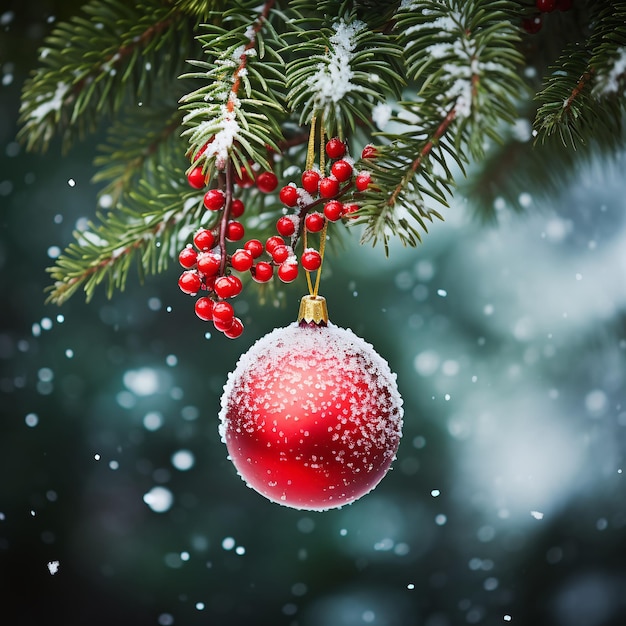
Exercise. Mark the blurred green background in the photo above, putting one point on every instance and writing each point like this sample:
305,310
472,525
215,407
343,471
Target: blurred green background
507,500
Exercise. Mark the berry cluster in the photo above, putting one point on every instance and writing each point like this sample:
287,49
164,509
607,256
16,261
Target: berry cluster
534,23
207,265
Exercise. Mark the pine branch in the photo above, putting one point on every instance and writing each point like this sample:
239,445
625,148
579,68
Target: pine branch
95,63
105,252
581,100
463,57
341,71
137,145
236,115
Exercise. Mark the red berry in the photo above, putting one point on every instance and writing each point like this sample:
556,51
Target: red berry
333,210
311,260
237,208
228,286
209,263
341,170
235,330
223,311
241,260
204,308
189,282
314,222
349,209
329,187
267,182
235,231
254,247
196,178
262,272
288,271
532,25
545,6
187,257
281,253
221,325
289,195
311,181
362,180
214,199
245,180
272,242
204,239
285,226
335,148
369,152
564,5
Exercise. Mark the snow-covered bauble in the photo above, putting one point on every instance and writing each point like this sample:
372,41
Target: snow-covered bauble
311,415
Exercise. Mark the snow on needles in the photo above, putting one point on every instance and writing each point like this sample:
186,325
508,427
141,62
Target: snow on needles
332,80
51,103
609,82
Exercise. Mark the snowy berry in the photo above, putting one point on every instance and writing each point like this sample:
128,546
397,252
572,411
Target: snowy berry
311,260
281,253
333,210
314,222
254,247
214,199
335,148
369,152
289,195
262,272
228,286
272,242
311,181
288,271
341,170
203,239
349,209
362,180
187,257
241,260
267,182
204,308
196,178
209,263
285,226
329,187
234,231
189,282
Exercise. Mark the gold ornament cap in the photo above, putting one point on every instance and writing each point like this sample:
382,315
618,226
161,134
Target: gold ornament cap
313,310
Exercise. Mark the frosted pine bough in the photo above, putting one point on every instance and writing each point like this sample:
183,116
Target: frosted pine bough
311,417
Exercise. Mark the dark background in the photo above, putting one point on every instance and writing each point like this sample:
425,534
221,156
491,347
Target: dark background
507,500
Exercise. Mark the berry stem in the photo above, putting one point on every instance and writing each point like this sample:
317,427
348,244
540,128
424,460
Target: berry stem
308,207
226,182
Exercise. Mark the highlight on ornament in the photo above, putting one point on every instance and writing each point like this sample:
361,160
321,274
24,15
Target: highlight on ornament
311,416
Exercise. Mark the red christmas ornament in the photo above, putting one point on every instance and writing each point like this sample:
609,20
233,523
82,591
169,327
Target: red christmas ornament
311,416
